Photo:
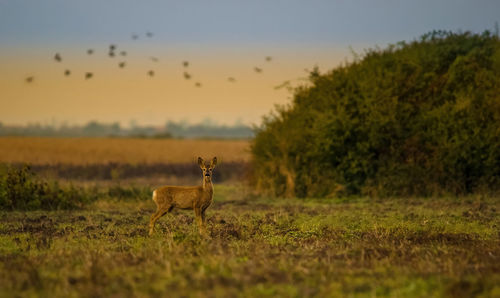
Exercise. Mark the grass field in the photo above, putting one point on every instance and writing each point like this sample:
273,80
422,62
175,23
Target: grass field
78,151
257,247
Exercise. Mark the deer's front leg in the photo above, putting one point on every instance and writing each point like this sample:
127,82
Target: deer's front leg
203,220
199,219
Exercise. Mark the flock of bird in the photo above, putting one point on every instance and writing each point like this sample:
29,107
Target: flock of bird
113,52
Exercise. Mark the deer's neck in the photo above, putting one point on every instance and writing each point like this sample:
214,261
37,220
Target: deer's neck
207,186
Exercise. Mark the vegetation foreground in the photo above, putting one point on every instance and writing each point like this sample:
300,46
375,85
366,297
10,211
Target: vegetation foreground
257,247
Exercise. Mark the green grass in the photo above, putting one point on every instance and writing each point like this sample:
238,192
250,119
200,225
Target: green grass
258,248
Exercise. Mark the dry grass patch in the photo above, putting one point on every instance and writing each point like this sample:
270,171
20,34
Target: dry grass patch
37,150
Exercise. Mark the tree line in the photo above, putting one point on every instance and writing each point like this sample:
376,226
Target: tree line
171,129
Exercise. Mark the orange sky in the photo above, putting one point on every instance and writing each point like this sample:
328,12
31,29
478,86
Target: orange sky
219,38
115,94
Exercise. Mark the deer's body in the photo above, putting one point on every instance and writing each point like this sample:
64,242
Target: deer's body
197,198
182,196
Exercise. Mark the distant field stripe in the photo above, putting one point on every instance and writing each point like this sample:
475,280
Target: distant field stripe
80,151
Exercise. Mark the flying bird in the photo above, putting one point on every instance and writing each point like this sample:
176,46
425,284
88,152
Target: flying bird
57,57
67,72
187,76
135,36
269,58
285,84
121,64
112,47
149,34
111,54
185,63
231,79
257,70
123,53
90,51
151,73
154,59
29,79
88,75
198,84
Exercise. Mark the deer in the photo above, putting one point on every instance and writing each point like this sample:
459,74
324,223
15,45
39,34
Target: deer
197,198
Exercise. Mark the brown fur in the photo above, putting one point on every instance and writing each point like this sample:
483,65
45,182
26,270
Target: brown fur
197,198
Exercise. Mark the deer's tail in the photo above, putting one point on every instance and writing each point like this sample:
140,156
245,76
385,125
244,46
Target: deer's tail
155,197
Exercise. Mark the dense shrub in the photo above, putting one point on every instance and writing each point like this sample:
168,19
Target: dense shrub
418,118
20,189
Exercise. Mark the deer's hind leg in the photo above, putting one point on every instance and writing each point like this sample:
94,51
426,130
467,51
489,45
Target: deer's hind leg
161,209
159,213
153,217
152,221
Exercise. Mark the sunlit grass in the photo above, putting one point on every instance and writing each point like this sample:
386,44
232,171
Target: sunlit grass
257,247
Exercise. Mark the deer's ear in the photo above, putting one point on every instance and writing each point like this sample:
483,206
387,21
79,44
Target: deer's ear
214,162
201,163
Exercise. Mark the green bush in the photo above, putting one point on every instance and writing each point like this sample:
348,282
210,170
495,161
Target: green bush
20,189
418,118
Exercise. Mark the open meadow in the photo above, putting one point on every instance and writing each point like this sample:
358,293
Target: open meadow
257,248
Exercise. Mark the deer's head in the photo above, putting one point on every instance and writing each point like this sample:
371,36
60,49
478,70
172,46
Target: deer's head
207,169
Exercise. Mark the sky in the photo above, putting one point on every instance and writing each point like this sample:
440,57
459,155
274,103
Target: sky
220,39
